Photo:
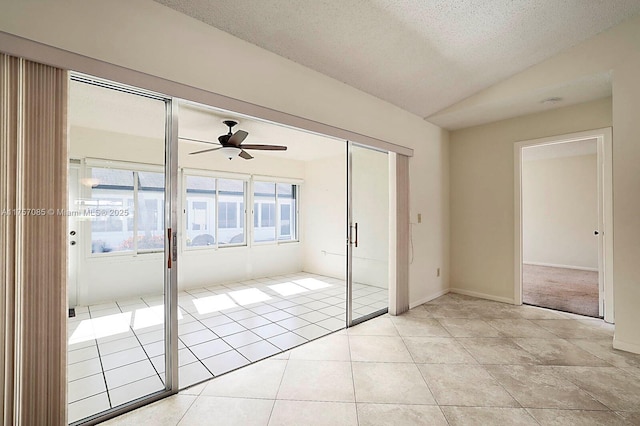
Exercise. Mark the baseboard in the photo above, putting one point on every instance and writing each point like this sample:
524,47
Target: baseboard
553,265
428,298
482,295
626,346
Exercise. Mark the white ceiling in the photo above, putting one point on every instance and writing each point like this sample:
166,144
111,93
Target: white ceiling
422,56
98,108
560,150
204,123
109,110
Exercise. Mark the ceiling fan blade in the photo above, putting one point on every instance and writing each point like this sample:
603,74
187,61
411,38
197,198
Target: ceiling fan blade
195,140
237,138
244,154
265,147
205,150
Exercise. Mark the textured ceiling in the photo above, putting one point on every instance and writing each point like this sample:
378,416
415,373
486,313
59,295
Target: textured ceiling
422,56
525,100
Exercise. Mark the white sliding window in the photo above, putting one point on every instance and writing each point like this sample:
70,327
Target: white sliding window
200,211
287,195
125,210
215,212
231,212
275,211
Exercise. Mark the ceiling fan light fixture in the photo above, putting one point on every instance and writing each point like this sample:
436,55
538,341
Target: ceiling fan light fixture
230,152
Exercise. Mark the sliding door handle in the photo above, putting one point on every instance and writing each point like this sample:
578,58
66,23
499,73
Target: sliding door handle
350,240
169,239
173,247
356,242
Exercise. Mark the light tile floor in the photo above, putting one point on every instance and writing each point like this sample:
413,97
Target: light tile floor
116,350
453,361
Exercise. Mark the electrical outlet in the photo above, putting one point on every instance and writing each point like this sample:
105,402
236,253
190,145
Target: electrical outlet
438,272
419,217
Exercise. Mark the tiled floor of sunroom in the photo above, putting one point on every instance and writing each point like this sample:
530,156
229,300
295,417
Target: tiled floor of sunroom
116,350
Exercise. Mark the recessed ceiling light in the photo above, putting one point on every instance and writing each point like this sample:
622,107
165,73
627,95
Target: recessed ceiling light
553,100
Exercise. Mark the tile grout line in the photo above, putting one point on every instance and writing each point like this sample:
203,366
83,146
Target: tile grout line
104,376
275,398
188,408
147,355
353,379
417,368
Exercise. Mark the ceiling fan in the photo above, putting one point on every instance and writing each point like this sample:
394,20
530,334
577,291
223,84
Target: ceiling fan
231,144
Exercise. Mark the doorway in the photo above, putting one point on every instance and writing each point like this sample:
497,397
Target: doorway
260,243
563,223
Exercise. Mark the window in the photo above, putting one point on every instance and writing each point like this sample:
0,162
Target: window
204,197
126,210
151,211
285,221
200,210
199,220
275,211
267,215
264,210
287,197
228,215
231,216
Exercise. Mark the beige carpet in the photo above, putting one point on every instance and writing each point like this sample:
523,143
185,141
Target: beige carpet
568,290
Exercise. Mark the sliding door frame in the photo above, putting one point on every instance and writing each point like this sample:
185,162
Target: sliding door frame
352,240
170,249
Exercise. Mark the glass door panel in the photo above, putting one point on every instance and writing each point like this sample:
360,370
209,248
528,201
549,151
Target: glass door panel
117,232
368,248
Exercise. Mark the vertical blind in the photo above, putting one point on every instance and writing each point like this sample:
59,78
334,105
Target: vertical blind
33,242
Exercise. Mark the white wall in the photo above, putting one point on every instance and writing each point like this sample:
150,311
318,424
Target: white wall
560,211
325,201
370,204
158,41
325,206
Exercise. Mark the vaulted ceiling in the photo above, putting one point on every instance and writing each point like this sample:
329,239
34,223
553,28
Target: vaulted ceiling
422,56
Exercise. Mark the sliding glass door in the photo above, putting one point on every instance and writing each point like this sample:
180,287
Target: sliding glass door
368,233
121,265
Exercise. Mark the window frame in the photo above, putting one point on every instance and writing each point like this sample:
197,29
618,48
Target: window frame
216,175
296,225
86,193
